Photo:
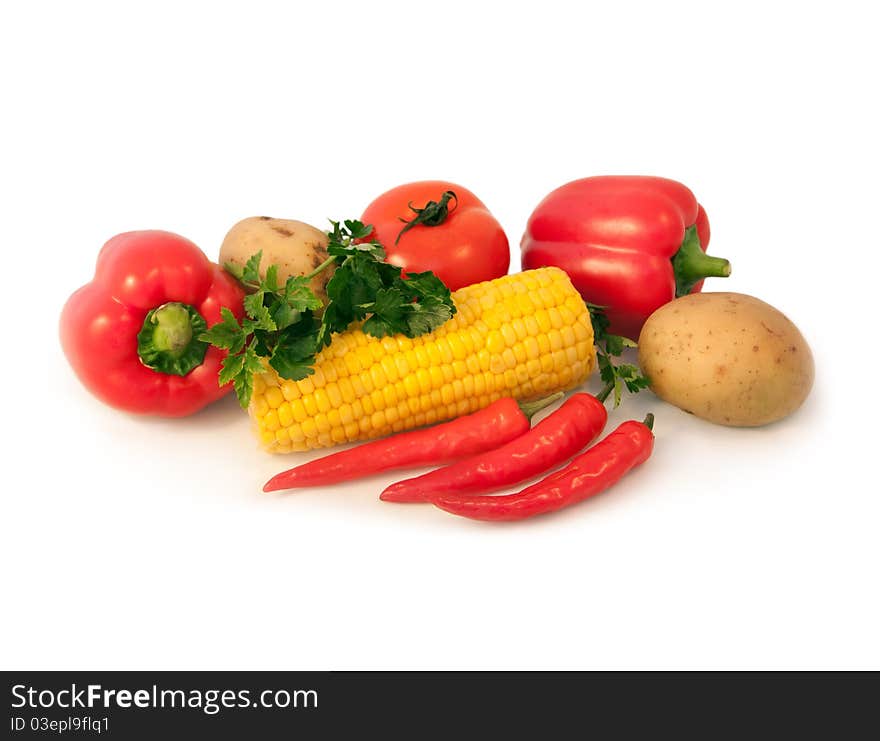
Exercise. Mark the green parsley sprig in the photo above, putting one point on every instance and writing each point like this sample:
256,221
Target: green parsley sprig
616,376
280,323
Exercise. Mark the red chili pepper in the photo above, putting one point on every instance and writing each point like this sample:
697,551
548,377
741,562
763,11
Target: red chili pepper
590,473
132,334
484,430
629,244
550,442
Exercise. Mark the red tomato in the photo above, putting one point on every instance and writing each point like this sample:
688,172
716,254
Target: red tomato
423,227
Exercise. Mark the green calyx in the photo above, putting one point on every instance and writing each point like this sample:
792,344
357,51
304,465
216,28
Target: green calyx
169,339
531,408
690,264
434,213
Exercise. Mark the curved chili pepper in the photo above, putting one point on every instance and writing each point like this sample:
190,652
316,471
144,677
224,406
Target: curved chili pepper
588,474
550,442
484,430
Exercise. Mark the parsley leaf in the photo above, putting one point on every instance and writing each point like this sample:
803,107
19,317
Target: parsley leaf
226,334
251,271
240,370
616,377
256,309
294,353
414,306
388,314
298,294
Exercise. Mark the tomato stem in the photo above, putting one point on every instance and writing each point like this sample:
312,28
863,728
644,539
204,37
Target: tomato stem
433,213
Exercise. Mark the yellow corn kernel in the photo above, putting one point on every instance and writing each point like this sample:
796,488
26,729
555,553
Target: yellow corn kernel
311,405
390,367
358,387
298,409
433,355
347,390
411,385
329,371
270,421
274,397
322,399
322,423
259,404
422,357
285,415
377,376
436,375
544,323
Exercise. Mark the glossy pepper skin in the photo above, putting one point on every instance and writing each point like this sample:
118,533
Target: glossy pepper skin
152,294
588,474
552,441
486,429
628,243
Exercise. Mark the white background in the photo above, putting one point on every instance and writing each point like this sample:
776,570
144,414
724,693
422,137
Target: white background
136,543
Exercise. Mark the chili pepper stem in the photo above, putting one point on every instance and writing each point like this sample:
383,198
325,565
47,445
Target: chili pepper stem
691,264
649,421
606,390
531,408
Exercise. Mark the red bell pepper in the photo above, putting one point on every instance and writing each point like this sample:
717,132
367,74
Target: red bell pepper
132,334
629,244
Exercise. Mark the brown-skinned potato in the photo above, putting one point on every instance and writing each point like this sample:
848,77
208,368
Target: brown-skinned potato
295,247
728,358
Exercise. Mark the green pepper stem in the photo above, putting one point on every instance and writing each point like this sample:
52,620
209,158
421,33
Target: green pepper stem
531,408
690,264
649,422
168,341
173,329
606,390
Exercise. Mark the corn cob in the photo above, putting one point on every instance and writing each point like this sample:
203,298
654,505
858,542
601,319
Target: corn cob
524,335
